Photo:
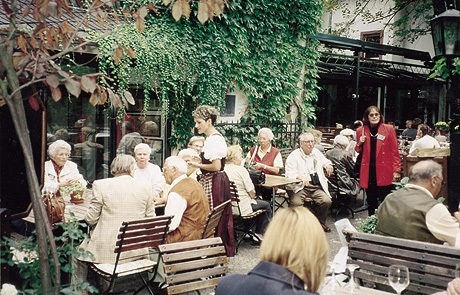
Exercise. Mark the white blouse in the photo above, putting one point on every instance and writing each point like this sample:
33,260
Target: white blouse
215,147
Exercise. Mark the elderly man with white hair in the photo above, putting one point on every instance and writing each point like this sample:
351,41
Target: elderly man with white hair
343,164
190,155
187,202
146,171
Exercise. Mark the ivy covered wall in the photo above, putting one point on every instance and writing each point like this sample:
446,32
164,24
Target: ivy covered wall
261,46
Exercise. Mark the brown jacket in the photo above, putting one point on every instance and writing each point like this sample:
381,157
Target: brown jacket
194,217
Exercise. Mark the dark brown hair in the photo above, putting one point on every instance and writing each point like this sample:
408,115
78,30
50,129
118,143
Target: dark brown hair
368,111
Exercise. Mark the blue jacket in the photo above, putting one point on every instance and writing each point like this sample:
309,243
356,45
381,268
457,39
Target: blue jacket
266,278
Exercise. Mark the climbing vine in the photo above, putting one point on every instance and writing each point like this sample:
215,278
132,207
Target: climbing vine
259,46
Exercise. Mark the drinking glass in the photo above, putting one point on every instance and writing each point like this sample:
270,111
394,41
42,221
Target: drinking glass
398,277
333,282
352,285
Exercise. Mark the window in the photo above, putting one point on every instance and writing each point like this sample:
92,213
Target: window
375,37
230,106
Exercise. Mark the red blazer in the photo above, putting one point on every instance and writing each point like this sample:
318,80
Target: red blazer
387,155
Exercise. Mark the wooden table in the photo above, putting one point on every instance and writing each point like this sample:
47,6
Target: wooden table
79,210
274,181
361,291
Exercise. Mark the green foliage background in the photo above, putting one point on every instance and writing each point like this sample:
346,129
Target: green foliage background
258,46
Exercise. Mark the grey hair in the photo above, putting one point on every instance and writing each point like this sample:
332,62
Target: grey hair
305,134
424,170
232,152
122,164
142,146
58,144
342,140
178,163
267,132
195,138
187,153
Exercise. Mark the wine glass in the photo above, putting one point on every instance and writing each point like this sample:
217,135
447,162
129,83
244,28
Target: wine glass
352,285
333,282
398,277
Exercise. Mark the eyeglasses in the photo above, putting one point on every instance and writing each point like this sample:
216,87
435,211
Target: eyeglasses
374,115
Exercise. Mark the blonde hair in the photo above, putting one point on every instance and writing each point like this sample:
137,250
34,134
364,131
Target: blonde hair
295,240
232,152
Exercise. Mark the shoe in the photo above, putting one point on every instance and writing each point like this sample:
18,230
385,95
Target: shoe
259,236
326,228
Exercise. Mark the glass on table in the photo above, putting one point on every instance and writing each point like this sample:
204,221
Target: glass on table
351,285
398,277
333,282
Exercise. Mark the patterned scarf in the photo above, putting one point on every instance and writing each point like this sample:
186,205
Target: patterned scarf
57,168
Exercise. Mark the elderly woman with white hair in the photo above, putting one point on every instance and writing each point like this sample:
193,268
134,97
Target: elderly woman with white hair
59,171
266,158
146,171
343,164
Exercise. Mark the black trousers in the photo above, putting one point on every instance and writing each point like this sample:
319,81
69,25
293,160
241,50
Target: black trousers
375,194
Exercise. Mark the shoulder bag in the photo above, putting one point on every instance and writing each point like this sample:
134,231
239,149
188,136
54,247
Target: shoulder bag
55,207
257,176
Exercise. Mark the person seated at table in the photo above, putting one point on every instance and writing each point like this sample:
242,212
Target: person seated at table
114,200
293,254
196,143
266,158
425,140
190,155
350,135
59,171
343,165
409,132
146,171
318,135
413,211
187,202
248,202
308,164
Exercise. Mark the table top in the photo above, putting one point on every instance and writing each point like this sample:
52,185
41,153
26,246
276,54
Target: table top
276,180
361,291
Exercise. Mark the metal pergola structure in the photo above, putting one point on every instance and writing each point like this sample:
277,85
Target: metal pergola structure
354,67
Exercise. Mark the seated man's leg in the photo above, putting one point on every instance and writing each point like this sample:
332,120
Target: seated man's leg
297,199
322,201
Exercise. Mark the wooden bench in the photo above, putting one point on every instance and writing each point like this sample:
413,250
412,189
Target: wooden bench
193,265
431,266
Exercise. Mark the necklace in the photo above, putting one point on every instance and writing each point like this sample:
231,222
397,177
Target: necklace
373,134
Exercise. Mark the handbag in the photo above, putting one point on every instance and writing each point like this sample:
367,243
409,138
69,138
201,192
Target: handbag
359,159
55,207
257,176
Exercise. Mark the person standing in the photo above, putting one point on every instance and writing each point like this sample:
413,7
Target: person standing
213,177
381,163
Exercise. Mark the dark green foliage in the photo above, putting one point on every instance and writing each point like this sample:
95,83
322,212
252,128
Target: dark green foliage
259,46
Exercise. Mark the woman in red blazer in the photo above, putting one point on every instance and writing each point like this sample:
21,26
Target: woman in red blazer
381,162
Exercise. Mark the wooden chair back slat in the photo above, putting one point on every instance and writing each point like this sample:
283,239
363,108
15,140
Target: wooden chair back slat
213,220
193,265
431,266
153,233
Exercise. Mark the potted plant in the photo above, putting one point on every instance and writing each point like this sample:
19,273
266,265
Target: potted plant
75,191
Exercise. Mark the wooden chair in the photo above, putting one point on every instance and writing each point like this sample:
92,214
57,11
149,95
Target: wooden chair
431,266
242,223
134,235
193,265
213,220
340,199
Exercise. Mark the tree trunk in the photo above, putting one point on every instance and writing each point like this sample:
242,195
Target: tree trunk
43,228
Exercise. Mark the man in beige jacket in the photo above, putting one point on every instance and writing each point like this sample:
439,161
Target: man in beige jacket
117,199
